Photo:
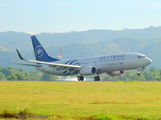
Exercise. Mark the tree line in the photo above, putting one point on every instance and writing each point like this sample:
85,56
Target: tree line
18,74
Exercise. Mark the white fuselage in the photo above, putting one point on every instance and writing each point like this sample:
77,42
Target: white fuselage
107,63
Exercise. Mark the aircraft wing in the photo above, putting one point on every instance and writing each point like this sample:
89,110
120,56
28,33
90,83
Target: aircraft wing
51,64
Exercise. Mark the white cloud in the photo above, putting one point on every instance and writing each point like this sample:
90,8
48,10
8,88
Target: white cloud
31,33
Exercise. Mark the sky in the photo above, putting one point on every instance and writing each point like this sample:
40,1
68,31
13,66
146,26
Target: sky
52,16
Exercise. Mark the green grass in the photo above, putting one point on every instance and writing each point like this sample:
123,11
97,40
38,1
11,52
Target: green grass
84,100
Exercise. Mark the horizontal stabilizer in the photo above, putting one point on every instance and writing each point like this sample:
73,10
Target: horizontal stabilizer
28,65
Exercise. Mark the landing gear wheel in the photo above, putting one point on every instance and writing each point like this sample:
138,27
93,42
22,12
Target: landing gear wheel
96,78
138,73
80,78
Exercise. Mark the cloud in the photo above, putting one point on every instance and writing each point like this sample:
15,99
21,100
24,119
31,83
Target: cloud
31,33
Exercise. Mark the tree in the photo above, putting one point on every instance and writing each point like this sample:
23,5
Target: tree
34,75
2,76
12,77
6,71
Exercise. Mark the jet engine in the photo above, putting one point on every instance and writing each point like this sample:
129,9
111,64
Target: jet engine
115,73
89,70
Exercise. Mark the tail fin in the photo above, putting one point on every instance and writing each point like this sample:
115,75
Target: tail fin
40,53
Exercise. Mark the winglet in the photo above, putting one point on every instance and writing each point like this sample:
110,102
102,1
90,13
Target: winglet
20,56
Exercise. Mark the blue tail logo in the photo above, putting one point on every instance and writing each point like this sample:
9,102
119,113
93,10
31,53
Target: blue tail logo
40,53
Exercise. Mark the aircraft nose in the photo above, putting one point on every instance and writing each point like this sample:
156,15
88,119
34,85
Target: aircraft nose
148,61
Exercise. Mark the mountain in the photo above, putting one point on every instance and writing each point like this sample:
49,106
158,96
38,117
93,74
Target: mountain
83,44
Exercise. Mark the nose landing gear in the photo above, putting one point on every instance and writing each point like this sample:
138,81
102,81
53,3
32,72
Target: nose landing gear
138,73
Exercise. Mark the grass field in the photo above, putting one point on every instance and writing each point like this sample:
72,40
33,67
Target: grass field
84,100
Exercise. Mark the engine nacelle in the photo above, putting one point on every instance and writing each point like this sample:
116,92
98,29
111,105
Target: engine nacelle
90,70
116,73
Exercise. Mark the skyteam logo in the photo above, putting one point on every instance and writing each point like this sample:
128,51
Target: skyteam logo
39,51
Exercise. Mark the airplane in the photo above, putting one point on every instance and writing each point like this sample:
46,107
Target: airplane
113,64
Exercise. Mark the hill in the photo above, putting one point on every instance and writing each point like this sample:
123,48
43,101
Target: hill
84,44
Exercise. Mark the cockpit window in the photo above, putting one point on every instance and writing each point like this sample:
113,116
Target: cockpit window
141,56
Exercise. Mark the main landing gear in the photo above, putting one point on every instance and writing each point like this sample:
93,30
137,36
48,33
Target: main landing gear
81,78
97,78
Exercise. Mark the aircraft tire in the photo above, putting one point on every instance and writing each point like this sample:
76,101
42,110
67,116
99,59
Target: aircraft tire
96,78
80,78
138,73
